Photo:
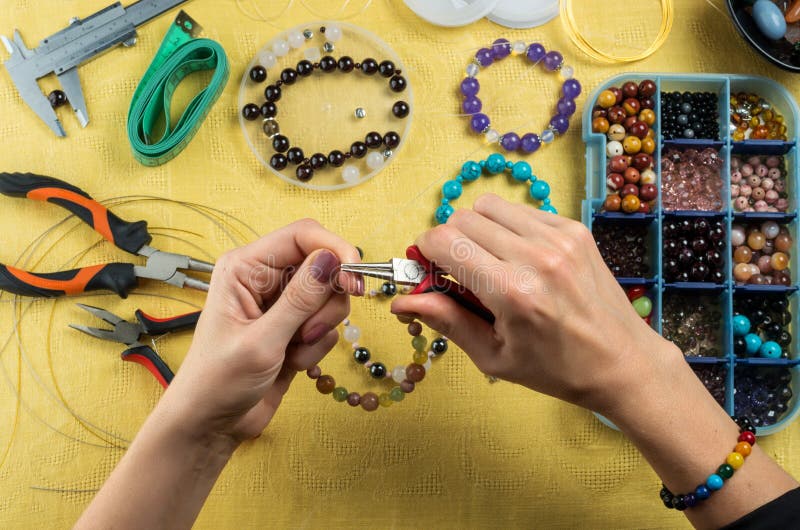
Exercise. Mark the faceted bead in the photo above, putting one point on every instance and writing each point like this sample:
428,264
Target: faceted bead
397,394
419,343
361,355
399,374
415,372
340,394
725,471
353,399
420,357
352,333
326,384
369,401
384,400
735,460
439,346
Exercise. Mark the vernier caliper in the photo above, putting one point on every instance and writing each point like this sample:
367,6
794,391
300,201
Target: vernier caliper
62,53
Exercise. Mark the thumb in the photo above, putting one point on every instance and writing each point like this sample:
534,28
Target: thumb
309,289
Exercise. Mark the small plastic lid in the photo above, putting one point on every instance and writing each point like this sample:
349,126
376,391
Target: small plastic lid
453,13
519,14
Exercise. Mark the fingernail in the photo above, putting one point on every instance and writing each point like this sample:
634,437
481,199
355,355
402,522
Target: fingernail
315,334
324,265
360,286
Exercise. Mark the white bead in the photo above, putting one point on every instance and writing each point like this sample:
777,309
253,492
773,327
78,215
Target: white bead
375,160
548,136
614,148
648,176
280,47
492,136
267,60
351,333
472,69
518,47
296,39
346,322
312,54
399,374
427,365
333,33
567,72
350,174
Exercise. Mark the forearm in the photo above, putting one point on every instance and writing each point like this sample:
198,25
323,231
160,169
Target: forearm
685,435
165,476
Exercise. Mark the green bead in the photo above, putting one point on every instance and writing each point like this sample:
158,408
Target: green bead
725,471
397,394
419,343
340,393
643,306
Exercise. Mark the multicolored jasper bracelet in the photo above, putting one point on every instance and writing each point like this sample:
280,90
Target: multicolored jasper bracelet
553,61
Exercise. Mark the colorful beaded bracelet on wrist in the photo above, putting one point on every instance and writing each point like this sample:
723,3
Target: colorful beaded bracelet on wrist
535,53
715,481
494,164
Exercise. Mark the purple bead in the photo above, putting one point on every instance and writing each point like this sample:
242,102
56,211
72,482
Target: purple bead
471,105
571,88
479,122
530,142
484,56
560,123
501,49
470,86
689,500
566,106
510,141
553,60
536,52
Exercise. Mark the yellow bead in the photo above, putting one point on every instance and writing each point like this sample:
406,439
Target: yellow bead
743,448
754,122
648,146
738,136
735,460
420,357
386,401
632,145
647,116
606,99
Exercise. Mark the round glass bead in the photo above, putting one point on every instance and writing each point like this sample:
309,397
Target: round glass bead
340,394
702,492
267,59
439,346
714,482
399,374
325,384
743,448
553,60
510,141
536,52
530,142
419,343
351,333
753,343
369,401
492,136
397,394
420,357
473,69
548,136
567,72
770,350
377,370
415,372
725,471
479,122
361,355
384,400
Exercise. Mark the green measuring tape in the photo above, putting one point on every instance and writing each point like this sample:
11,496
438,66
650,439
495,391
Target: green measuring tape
180,54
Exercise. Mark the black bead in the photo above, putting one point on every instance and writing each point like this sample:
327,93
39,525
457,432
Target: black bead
304,172
336,158
346,63
327,64
439,346
388,289
398,83
295,155
386,68
373,140
57,98
318,161
304,68
361,355
289,76
377,370
358,149
400,109
269,110
251,111
278,161
272,93
258,73
391,139
280,143
369,66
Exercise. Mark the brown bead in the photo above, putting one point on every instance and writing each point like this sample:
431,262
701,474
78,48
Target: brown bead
415,372
617,94
630,89
414,329
407,386
613,203
632,106
326,384
616,114
369,401
353,399
600,125
314,372
647,88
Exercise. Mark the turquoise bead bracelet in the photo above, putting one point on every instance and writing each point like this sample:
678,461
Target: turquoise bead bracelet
493,165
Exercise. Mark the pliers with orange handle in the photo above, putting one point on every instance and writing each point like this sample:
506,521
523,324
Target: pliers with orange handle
120,278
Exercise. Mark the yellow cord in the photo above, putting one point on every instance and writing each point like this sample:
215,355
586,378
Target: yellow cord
568,20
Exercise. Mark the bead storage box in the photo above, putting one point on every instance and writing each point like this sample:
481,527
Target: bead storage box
705,249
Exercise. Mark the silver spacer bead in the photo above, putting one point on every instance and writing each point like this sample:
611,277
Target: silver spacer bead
327,47
308,34
360,113
387,153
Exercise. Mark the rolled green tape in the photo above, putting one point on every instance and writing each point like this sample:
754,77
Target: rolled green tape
179,55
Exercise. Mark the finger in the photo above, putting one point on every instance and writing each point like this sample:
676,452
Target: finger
519,218
307,293
473,334
498,240
301,357
323,321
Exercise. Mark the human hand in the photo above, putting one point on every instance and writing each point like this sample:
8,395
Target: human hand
563,325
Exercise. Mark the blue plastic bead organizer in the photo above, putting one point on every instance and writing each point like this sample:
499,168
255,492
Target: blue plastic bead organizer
596,160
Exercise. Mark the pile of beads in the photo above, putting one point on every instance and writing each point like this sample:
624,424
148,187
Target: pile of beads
759,184
693,248
689,115
762,392
713,377
761,320
535,53
623,248
641,302
715,481
693,323
753,345
493,165
691,180
761,254
626,116
754,118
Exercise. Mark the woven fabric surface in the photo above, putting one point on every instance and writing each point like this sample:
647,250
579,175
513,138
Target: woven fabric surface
459,452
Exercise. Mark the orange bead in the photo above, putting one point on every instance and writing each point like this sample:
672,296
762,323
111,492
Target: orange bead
779,261
651,134
632,145
606,99
600,125
744,448
648,145
630,204
613,203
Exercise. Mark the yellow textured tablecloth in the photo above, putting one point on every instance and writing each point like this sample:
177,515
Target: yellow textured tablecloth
460,452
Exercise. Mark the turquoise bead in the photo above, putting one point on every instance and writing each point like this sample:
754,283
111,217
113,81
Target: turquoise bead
714,482
452,189
509,165
753,343
741,325
540,190
495,163
521,171
471,171
443,213
770,350
548,208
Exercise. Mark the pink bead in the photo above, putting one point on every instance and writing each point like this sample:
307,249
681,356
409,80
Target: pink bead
774,173
736,176
780,185
772,209
754,269
773,161
758,193
762,170
754,161
734,191
754,180
746,170
771,196
767,184
764,264
782,205
740,203
760,206
749,209
735,162
745,190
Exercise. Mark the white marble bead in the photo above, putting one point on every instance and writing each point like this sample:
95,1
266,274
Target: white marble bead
280,47
375,160
350,174
427,366
267,60
312,54
518,47
492,136
296,39
351,333
567,72
399,374
333,33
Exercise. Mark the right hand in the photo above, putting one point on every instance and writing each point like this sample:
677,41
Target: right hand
563,325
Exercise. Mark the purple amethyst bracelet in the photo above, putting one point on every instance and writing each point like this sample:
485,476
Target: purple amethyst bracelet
535,53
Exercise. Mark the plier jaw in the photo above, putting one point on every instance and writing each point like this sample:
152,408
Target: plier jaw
167,267
397,270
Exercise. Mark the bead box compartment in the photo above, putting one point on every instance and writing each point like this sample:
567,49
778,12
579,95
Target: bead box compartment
725,291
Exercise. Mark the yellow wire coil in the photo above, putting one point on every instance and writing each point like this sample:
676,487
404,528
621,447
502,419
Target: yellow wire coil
568,20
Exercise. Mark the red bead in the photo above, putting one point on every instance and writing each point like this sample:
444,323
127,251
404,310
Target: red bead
615,181
636,292
648,192
617,94
748,437
644,207
630,189
648,319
